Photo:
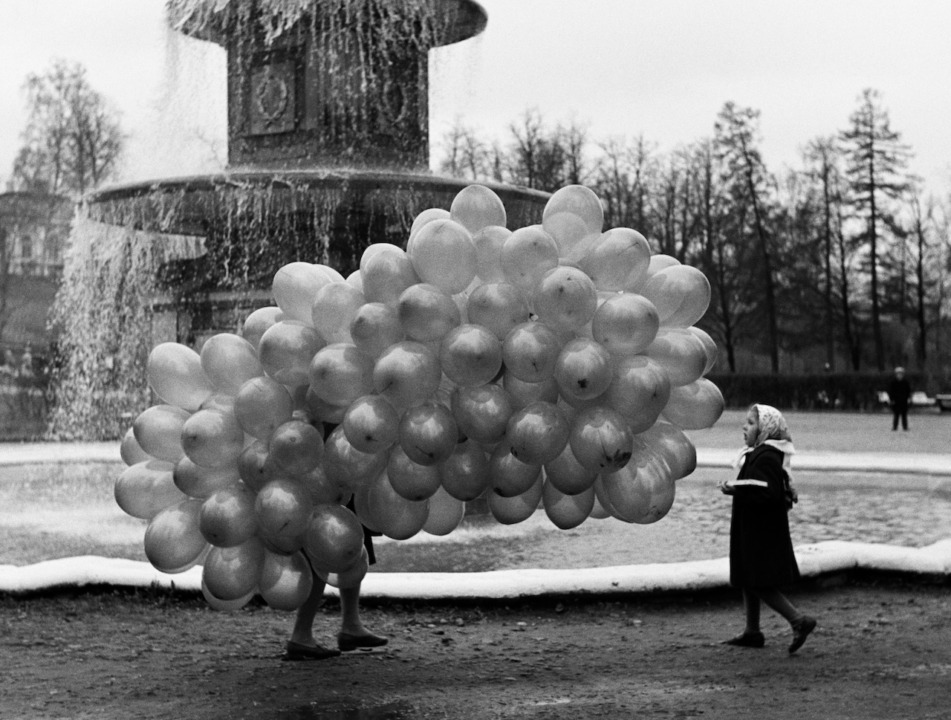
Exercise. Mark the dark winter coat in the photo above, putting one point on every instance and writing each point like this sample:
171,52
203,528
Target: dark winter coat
761,551
899,390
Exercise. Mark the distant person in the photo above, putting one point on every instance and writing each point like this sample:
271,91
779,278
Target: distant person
761,553
9,367
26,363
899,391
352,636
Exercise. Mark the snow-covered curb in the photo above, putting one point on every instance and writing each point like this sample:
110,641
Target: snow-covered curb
816,559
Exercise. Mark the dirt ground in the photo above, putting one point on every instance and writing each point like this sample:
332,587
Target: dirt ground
882,650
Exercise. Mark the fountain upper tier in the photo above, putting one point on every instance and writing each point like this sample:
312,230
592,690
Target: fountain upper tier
328,83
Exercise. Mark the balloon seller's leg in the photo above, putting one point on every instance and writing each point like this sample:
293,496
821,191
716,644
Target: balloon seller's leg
778,602
303,631
350,610
752,608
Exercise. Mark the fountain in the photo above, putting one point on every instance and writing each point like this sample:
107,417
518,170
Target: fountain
327,153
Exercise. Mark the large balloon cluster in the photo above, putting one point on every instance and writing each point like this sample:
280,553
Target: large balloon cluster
553,366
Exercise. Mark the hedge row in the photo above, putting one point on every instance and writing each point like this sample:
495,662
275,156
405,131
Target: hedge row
826,391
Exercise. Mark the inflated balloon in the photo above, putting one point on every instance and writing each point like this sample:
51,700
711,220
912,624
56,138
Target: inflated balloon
296,447
212,438
424,217
158,431
355,280
524,393
428,433
578,201
219,402
200,482
475,207
470,355
618,260
510,476
227,517
340,373
625,324
600,439
465,473
371,424
334,537
175,374
527,255
709,346
513,510
445,513
315,409
488,243
674,446
282,508
231,573
583,369
406,373
286,580
568,475
565,298
386,271
294,288
426,312
695,406
395,516
258,322
681,294
642,492
173,542
254,465
345,465
537,433
639,390
482,413
320,489
334,308
286,349
530,350
410,479
572,235
567,511
145,489
498,307
680,353
659,262
350,577
261,405
444,255
220,605
375,327
129,449
229,361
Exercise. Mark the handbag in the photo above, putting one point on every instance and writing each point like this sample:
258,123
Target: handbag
789,492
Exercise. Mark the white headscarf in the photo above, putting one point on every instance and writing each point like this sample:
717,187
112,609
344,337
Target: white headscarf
771,430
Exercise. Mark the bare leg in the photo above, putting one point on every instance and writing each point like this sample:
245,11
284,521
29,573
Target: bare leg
303,632
352,633
780,603
751,604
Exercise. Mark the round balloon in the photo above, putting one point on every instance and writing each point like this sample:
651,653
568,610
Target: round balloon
175,374
173,542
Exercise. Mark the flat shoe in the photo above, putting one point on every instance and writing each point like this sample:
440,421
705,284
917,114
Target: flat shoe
297,651
347,641
801,630
752,640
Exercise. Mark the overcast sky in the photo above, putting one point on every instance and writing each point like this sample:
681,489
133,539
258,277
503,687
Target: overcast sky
657,68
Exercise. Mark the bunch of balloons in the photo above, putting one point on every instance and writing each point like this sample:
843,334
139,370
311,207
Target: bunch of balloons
553,366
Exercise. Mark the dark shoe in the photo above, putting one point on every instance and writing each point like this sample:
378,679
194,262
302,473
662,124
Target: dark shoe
296,651
348,641
801,630
747,639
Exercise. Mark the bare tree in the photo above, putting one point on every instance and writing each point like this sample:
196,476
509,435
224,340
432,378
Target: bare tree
72,141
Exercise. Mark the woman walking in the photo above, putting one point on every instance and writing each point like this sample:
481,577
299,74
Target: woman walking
761,552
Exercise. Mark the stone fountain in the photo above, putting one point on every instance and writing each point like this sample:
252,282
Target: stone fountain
328,152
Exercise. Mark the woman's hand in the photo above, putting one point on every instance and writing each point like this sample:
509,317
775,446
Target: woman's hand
725,486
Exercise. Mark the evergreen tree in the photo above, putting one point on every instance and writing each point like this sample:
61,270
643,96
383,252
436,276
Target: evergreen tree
876,161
